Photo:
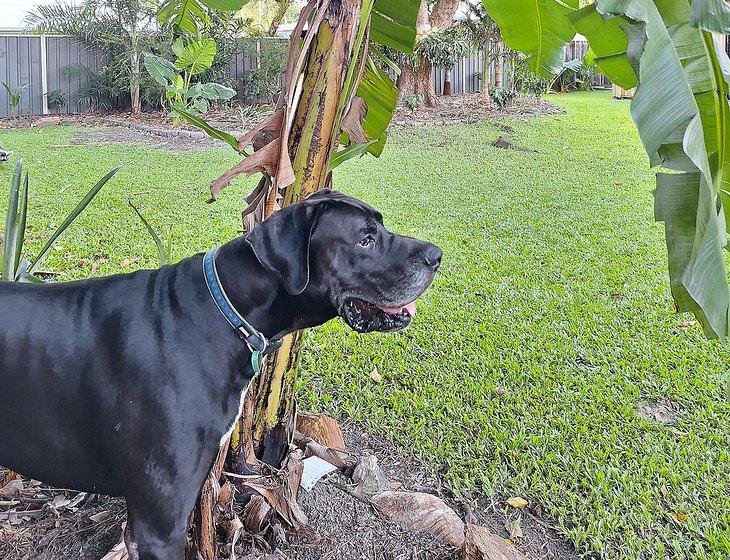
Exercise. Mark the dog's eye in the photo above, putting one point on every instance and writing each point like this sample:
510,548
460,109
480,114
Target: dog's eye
366,242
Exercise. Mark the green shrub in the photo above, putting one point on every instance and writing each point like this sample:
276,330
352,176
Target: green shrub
502,97
56,99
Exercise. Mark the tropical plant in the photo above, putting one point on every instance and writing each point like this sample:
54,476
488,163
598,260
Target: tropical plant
260,84
444,49
192,59
681,110
483,34
335,104
98,90
121,29
14,267
15,96
502,97
56,99
413,100
416,74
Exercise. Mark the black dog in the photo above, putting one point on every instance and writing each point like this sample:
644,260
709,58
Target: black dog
127,385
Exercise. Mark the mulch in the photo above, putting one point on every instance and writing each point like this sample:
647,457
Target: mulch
156,129
55,524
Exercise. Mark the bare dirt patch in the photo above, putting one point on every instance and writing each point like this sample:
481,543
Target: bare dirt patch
341,527
156,129
470,108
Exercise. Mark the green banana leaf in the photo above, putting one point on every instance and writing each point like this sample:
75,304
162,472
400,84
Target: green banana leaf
681,111
609,43
711,15
381,97
537,28
209,130
393,23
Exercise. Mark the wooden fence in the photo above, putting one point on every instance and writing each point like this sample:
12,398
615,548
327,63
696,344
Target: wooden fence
39,62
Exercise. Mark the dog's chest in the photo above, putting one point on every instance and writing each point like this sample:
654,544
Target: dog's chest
234,420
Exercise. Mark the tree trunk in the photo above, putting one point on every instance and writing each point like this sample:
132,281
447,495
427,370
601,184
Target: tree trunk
447,89
313,138
281,8
134,75
486,77
419,82
498,66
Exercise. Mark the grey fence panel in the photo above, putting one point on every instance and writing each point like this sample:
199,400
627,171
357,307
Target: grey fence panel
19,65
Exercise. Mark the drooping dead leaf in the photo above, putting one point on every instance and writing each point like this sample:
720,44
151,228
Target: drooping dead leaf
285,506
369,478
423,513
322,429
233,528
481,544
352,121
340,459
517,502
9,475
256,514
226,495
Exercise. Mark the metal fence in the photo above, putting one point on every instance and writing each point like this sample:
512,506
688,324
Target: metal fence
39,62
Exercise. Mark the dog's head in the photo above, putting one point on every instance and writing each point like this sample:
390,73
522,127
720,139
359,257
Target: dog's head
335,247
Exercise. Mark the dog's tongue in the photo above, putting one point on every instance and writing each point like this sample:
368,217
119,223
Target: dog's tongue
409,308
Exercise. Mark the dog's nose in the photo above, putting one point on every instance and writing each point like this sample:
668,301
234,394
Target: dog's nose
432,256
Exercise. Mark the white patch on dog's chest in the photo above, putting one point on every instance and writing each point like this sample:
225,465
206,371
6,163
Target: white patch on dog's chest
228,433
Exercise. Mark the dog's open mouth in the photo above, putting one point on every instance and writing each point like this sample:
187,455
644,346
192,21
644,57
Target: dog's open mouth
363,316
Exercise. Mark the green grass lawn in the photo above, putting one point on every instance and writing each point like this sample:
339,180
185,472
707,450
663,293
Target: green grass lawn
549,326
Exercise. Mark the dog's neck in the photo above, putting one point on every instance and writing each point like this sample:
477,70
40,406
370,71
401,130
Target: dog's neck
260,297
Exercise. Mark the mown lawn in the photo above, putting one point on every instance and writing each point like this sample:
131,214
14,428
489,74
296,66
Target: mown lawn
549,327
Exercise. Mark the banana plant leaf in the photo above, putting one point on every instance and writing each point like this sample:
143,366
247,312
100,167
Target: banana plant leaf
610,44
381,97
393,23
188,15
537,28
681,111
711,15
208,129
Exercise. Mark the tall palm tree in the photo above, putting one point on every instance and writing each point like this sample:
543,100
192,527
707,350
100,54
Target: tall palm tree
119,28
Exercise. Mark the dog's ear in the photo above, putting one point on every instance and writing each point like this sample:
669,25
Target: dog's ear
281,244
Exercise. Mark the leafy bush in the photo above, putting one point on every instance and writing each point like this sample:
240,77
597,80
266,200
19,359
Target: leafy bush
192,59
56,99
526,81
262,83
443,48
502,97
99,90
413,100
14,268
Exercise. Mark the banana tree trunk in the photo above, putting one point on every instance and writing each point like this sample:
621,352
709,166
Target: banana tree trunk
314,137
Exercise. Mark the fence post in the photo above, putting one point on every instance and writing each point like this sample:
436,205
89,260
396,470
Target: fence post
44,75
